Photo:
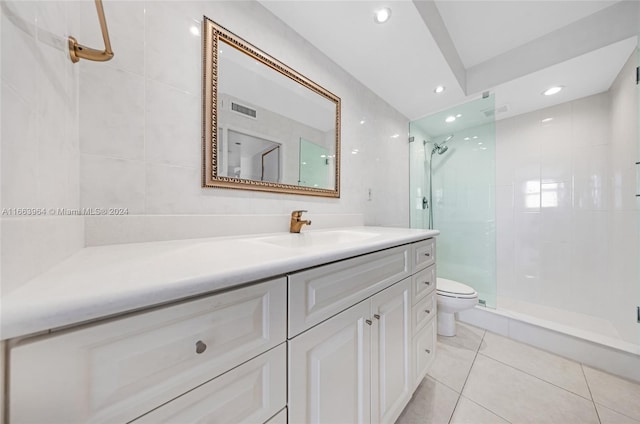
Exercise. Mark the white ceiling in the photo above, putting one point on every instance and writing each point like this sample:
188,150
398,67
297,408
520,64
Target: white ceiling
582,76
399,61
402,63
484,29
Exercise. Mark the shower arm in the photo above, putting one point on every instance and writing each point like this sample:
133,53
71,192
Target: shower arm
78,51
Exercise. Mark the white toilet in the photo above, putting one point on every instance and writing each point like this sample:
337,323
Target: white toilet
452,297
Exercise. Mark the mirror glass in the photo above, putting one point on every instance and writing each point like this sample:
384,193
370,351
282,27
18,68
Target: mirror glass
267,127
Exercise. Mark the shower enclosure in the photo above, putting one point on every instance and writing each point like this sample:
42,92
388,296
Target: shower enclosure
540,212
452,185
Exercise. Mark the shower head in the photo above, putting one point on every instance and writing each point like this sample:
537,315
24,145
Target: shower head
439,149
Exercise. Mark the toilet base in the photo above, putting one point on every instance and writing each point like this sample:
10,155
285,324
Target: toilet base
446,324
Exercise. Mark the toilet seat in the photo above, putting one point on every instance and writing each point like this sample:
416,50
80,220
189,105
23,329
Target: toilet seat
450,288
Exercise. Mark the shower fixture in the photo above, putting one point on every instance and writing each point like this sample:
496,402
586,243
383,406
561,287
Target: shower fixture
439,149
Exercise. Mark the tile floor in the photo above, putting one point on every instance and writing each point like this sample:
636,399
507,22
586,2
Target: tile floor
479,377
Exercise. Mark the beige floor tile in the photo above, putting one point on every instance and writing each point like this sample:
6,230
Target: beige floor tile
614,392
521,398
452,364
455,355
469,412
467,336
551,368
432,403
607,416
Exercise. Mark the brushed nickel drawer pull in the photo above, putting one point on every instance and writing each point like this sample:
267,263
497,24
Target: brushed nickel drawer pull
376,316
368,321
427,350
427,311
427,254
200,347
427,282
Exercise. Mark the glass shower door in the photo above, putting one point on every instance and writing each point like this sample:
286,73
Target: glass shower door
452,169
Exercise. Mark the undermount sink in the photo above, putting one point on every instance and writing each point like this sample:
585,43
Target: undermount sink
317,238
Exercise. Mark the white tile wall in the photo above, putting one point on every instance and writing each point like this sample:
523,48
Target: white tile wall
565,206
150,121
40,142
126,133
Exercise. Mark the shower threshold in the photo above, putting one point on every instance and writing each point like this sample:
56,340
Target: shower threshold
580,344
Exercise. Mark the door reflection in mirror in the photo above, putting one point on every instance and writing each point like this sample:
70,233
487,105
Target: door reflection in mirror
248,157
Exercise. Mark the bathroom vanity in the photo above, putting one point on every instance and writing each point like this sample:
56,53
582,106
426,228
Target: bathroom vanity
324,326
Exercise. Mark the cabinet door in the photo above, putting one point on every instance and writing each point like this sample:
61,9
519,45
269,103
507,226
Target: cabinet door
391,382
329,370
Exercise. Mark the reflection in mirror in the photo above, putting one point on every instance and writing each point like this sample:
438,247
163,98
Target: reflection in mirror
315,169
268,121
248,157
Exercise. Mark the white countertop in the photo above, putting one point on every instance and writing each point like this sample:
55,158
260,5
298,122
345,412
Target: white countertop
102,281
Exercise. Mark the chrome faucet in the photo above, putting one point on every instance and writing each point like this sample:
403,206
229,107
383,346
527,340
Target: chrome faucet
297,222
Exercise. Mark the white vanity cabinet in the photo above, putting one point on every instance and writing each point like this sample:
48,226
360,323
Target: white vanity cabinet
359,366
346,341
121,369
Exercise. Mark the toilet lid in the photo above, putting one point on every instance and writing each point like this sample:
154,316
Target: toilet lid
454,288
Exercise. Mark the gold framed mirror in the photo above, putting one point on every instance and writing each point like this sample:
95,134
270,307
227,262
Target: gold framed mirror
266,127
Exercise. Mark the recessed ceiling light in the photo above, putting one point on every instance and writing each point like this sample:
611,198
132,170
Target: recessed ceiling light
450,119
547,120
195,30
362,121
553,90
459,115
466,138
439,89
382,15
395,136
475,136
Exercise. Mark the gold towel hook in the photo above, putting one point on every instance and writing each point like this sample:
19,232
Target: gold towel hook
78,51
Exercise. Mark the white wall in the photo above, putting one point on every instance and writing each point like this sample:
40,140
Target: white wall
140,117
126,133
566,231
40,146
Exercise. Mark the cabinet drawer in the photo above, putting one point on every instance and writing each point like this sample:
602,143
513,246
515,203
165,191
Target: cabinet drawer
120,369
319,293
424,254
423,311
423,283
424,350
250,393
